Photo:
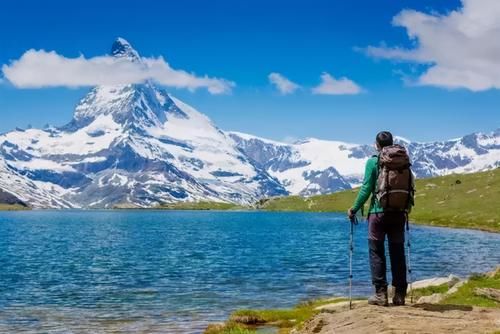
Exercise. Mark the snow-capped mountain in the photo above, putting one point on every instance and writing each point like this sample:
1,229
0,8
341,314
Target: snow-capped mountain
129,144
307,167
471,153
316,166
138,145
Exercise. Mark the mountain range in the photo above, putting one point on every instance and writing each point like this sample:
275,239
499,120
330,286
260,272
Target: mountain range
137,145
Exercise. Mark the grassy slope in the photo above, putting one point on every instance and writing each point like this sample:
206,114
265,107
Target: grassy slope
465,201
12,207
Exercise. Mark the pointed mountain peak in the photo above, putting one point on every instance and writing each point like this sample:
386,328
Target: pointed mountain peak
122,48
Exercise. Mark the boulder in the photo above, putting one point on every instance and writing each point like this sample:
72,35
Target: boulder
451,280
435,298
455,287
490,293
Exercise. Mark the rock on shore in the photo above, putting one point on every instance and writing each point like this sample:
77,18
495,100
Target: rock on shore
418,318
425,316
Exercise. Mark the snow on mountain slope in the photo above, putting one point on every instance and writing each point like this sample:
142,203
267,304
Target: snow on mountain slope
89,139
38,194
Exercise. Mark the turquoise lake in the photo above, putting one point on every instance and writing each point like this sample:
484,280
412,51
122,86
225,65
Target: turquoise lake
177,271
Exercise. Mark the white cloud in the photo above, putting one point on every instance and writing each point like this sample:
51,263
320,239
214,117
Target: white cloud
331,86
460,49
283,84
39,68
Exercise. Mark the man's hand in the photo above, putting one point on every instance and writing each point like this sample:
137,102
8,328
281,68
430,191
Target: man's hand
351,213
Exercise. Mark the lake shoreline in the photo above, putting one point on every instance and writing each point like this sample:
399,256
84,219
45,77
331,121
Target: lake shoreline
249,209
462,201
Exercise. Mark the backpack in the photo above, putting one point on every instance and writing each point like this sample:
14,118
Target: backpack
395,183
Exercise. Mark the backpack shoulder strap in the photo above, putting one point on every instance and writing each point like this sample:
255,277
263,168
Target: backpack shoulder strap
378,159
377,173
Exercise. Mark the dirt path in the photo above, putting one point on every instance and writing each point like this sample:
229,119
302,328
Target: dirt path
422,318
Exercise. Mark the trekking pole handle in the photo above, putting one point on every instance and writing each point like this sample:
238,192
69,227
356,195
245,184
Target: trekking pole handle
354,220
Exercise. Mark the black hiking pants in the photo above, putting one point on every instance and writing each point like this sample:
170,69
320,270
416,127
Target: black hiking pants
391,224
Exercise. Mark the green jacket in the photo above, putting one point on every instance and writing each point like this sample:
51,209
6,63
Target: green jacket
368,188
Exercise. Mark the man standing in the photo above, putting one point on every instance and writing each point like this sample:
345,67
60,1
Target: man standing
389,182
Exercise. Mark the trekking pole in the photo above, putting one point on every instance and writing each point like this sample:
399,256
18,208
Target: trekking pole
354,221
408,243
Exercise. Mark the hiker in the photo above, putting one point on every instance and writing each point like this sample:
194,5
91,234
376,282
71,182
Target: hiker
390,183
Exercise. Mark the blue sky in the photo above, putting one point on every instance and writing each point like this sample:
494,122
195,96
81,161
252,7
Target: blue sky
244,41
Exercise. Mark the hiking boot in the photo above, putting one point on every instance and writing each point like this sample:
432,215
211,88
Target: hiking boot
379,298
399,298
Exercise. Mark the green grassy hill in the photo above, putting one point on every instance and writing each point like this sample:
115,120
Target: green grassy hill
457,200
12,207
